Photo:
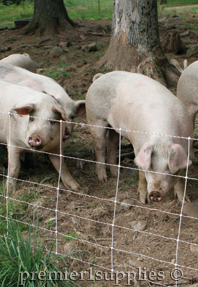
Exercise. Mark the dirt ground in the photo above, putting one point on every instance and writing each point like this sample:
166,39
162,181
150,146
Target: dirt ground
144,236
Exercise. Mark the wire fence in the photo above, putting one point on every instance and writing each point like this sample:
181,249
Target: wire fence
163,251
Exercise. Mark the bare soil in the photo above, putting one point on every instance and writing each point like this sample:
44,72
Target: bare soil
89,214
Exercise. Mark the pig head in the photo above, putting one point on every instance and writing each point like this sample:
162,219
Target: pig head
151,157
151,118
22,77
31,121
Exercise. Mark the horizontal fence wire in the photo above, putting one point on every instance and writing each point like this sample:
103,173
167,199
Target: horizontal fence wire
111,247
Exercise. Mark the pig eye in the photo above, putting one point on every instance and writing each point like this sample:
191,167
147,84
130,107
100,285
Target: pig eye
52,122
72,117
31,119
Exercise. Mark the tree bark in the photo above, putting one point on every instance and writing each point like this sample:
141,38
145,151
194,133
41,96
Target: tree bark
49,16
135,44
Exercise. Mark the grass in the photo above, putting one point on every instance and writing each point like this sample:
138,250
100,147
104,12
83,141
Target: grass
58,74
87,9
49,223
29,195
71,236
192,25
22,258
94,203
131,180
18,208
181,12
172,3
13,12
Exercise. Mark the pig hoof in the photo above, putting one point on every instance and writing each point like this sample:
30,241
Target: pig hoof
187,200
72,185
143,200
11,186
75,186
102,176
155,196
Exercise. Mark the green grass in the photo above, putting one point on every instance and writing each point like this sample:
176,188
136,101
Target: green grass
132,179
71,236
57,74
172,3
192,25
13,12
29,195
21,256
89,9
49,223
85,9
181,12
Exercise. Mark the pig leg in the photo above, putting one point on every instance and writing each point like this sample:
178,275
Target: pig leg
179,188
112,144
14,166
99,135
142,187
66,177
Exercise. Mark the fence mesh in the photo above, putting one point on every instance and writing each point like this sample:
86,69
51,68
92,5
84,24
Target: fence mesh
125,242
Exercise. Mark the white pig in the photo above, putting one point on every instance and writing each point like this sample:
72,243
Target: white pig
187,89
21,60
17,75
138,103
34,122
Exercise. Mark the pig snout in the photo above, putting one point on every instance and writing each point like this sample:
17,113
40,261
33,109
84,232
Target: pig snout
155,196
66,134
34,141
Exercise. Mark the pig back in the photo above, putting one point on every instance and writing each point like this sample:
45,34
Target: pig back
21,60
20,76
136,102
187,87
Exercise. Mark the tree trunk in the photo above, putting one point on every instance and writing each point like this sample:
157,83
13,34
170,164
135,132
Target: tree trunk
135,44
49,17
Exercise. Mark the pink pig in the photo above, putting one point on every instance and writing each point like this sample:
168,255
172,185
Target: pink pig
21,60
33,124
187,89
22,77
134,102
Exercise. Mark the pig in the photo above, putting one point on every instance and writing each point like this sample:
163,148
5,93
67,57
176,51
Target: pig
134,102
17,75
21,60
187,89
33,124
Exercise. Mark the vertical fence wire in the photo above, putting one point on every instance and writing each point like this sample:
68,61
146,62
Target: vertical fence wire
58,187
116,196
181,213
61,157
8,173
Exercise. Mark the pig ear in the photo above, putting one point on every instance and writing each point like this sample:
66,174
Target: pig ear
177,158
143,158
97,76
25,110
80,108
58,109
